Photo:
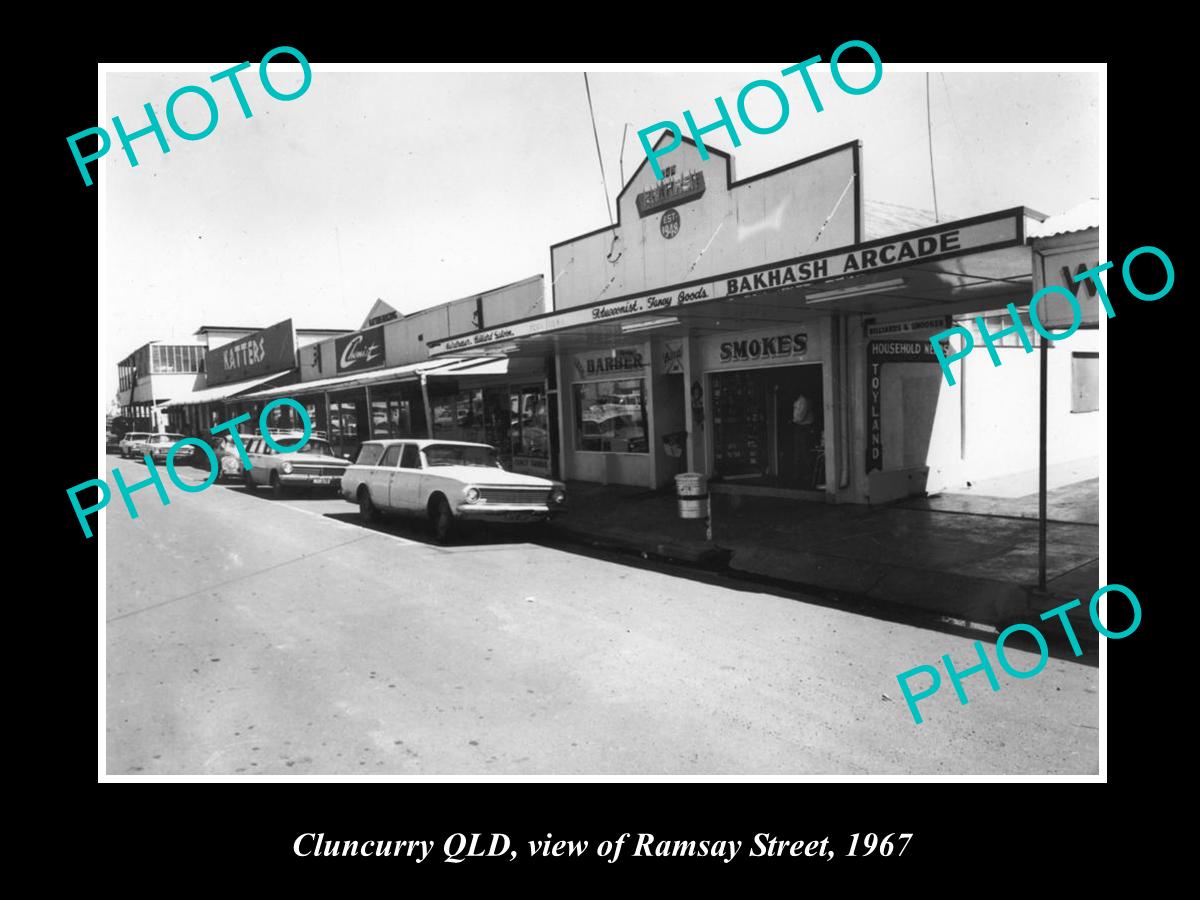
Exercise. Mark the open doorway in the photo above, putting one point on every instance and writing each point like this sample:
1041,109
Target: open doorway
768,426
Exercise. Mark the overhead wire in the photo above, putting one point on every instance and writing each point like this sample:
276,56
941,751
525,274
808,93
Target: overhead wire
595,134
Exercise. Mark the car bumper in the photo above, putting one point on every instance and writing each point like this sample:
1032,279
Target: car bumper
508,512
181,456
293,480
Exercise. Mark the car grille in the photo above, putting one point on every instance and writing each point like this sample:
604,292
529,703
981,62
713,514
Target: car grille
538,496
337,471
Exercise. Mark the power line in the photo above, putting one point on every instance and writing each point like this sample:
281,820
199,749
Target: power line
599,156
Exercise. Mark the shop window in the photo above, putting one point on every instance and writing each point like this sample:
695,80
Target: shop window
391,417
1085,382
610,416
530,428
459,417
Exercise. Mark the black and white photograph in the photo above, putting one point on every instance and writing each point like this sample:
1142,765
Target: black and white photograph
674,421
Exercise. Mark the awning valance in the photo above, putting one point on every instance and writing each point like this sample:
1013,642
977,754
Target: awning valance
433,368
223,391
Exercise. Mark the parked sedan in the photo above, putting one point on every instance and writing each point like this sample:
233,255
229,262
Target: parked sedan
446,482
316,465
157,446
129,444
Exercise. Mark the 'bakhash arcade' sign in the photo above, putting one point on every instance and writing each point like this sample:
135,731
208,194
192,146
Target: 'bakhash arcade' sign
999,230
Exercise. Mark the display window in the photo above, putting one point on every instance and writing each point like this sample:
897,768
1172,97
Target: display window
610,416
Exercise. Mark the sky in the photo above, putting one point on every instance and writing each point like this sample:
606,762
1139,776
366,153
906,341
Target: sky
423,187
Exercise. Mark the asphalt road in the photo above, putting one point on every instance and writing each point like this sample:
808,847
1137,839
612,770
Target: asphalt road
248,636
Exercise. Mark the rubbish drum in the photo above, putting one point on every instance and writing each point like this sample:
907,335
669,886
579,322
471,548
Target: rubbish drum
692,490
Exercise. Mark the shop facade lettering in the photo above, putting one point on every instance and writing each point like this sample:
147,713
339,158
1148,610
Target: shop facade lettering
360,352
620,360
776,346
994,231
878,353
270,350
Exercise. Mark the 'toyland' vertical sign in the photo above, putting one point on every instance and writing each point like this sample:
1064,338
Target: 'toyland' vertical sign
878,353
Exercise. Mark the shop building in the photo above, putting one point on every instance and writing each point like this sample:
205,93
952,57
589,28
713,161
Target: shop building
380,382
773,333
236,360
152,375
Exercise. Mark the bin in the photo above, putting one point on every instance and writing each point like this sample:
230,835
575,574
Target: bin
692,490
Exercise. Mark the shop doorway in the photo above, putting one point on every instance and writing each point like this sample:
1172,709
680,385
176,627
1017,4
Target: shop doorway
768,427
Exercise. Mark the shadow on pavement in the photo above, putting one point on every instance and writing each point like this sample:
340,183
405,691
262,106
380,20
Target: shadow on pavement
476,535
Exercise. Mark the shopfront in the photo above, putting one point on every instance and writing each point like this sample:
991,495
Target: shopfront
608,414
769,333
505,403
767,399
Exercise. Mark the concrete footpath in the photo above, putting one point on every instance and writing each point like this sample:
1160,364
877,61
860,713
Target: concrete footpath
964,556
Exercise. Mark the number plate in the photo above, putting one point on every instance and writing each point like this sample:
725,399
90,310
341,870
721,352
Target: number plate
322,479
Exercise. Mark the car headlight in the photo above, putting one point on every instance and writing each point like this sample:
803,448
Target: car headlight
559,497
471,494
287,468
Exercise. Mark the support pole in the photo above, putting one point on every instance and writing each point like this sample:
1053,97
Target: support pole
1042,468
428,407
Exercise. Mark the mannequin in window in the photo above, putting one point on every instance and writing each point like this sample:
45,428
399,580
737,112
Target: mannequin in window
802,424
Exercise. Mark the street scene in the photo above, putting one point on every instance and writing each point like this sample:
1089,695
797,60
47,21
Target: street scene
248,635
642,450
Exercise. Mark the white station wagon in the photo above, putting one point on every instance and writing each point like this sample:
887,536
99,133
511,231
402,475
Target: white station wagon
446,481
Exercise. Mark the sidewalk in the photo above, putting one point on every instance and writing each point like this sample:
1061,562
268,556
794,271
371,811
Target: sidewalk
977,566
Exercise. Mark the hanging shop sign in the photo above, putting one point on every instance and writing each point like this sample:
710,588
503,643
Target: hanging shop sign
360,352
262,353
672,357
992,232
892,329
878,353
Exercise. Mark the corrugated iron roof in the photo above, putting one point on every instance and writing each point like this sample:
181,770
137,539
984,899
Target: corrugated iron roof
1078,218
882,220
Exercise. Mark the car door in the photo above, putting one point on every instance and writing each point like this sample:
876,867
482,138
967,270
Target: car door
406,481
257,451
381,476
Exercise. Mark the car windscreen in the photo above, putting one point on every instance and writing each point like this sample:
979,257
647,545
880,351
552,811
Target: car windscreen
318,447
459,455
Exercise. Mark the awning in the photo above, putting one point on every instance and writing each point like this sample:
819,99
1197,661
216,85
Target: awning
410,372
223,391
953,265
490,365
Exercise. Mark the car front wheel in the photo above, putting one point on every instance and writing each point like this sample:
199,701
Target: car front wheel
441,519
366,509
278,491
248,481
